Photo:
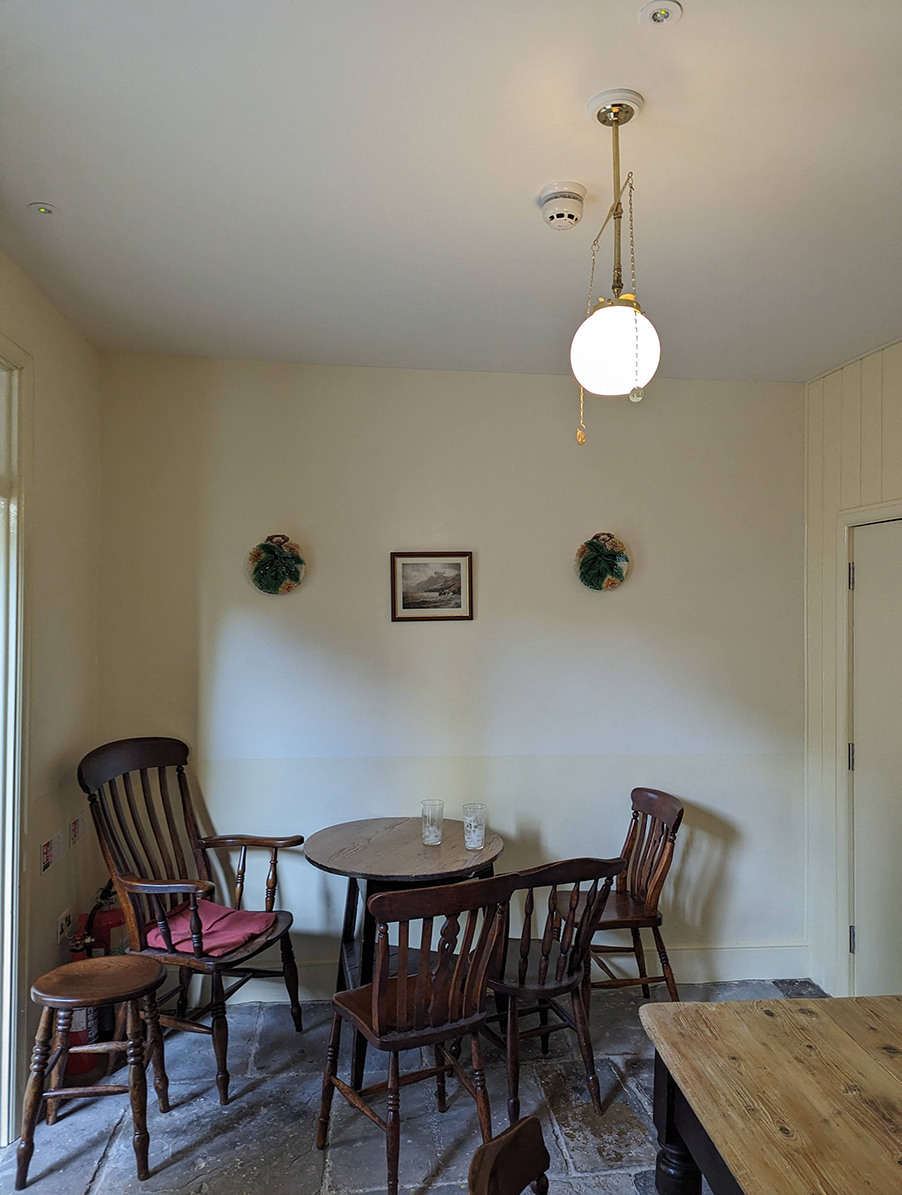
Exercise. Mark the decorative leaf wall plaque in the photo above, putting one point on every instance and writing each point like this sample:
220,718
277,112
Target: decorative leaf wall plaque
276,565
602,562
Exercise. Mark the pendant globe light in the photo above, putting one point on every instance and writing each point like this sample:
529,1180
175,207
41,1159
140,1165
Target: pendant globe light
616,349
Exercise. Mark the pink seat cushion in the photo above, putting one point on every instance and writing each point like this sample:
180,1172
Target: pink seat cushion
224,929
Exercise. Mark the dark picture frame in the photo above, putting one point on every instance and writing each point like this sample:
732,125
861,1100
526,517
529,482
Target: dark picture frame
431,586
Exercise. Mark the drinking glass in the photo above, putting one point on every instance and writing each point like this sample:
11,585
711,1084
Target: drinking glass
433,812
474,826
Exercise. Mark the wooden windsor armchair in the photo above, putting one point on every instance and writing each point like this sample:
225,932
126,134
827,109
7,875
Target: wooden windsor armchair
142,810
648,851
512,1162
435,998
542,971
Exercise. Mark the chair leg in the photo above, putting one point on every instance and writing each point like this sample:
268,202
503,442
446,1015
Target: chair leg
513,1062
393,1132
639,951
440,1093
181,1008
482,1095
220,1037
137,1087
33,1093
584,1037
543,1020
116,1058
290,974
154,1052
58,1074
329,1072
665,965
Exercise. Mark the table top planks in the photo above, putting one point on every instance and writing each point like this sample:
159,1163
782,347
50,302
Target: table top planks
392,849
800,1097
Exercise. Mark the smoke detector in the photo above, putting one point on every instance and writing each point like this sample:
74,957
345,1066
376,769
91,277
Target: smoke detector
660,14
562,204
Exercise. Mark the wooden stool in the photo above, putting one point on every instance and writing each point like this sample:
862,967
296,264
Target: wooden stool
93,983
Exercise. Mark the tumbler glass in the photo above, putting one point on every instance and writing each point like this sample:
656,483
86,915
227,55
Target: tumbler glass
474,826
433,812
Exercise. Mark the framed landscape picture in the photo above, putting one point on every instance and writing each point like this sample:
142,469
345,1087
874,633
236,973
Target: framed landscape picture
431,585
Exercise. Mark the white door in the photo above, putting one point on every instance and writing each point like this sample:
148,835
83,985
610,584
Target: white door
877,773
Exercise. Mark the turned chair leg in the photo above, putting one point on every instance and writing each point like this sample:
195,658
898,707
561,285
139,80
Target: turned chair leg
33,1093
513,1062
329,1073
665,965
543,1020
584,1037
181,1007
154,1052
482,1095
220,1037
137,1087
393,1125
58,1074
639,951
115,1059
440,1093
290,974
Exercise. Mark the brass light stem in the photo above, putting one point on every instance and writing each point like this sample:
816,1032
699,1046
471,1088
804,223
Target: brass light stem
617,286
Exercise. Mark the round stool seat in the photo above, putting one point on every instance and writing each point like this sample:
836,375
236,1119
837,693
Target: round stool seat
94,981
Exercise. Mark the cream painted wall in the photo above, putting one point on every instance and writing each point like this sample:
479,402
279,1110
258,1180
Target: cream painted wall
61,513
854,475
550,705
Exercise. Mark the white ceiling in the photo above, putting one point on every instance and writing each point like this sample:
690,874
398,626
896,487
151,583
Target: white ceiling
355,181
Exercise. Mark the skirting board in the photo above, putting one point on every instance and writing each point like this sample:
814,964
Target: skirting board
691,964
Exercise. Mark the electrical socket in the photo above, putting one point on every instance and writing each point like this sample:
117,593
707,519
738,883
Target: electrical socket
64,925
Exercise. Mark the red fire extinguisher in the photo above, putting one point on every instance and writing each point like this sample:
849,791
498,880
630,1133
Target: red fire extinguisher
95,935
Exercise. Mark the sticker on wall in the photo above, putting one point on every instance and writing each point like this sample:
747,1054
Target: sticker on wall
276,565
602,562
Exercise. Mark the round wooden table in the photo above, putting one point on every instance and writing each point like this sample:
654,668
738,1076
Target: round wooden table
388,854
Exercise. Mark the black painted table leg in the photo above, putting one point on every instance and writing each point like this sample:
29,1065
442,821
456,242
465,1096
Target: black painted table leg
367,955
676,1172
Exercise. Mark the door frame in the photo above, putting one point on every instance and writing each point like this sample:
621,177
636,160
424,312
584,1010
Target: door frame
14,699
844,903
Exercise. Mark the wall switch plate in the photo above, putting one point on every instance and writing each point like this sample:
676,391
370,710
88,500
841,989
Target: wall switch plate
64,925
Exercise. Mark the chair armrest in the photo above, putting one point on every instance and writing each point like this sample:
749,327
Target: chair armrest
233,840
133,883
244,841
155,889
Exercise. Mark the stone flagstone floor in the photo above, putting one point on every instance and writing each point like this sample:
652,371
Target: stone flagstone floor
263,1142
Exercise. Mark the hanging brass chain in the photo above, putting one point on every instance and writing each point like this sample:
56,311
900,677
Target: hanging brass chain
629,180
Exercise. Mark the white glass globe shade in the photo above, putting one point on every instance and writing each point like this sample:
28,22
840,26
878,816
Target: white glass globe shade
604,355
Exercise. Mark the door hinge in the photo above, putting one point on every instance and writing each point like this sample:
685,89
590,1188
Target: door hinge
851,574
851,757
851,939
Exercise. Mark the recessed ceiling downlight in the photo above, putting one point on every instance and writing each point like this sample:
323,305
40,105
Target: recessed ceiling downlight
42,209
667,13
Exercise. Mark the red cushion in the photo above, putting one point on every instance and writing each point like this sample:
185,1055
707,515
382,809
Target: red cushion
224,929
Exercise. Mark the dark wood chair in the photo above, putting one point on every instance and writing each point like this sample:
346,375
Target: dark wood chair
633,905
440,1003
158,862
95,983
544,970
514,1160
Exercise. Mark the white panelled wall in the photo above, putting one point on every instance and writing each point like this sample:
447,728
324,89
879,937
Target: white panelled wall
854,476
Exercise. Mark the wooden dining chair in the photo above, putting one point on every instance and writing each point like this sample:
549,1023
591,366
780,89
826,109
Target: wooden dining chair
158,862
514,1160
542,971
648,852
435,998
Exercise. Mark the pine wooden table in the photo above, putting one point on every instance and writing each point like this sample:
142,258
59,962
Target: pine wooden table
387,854
778,1097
